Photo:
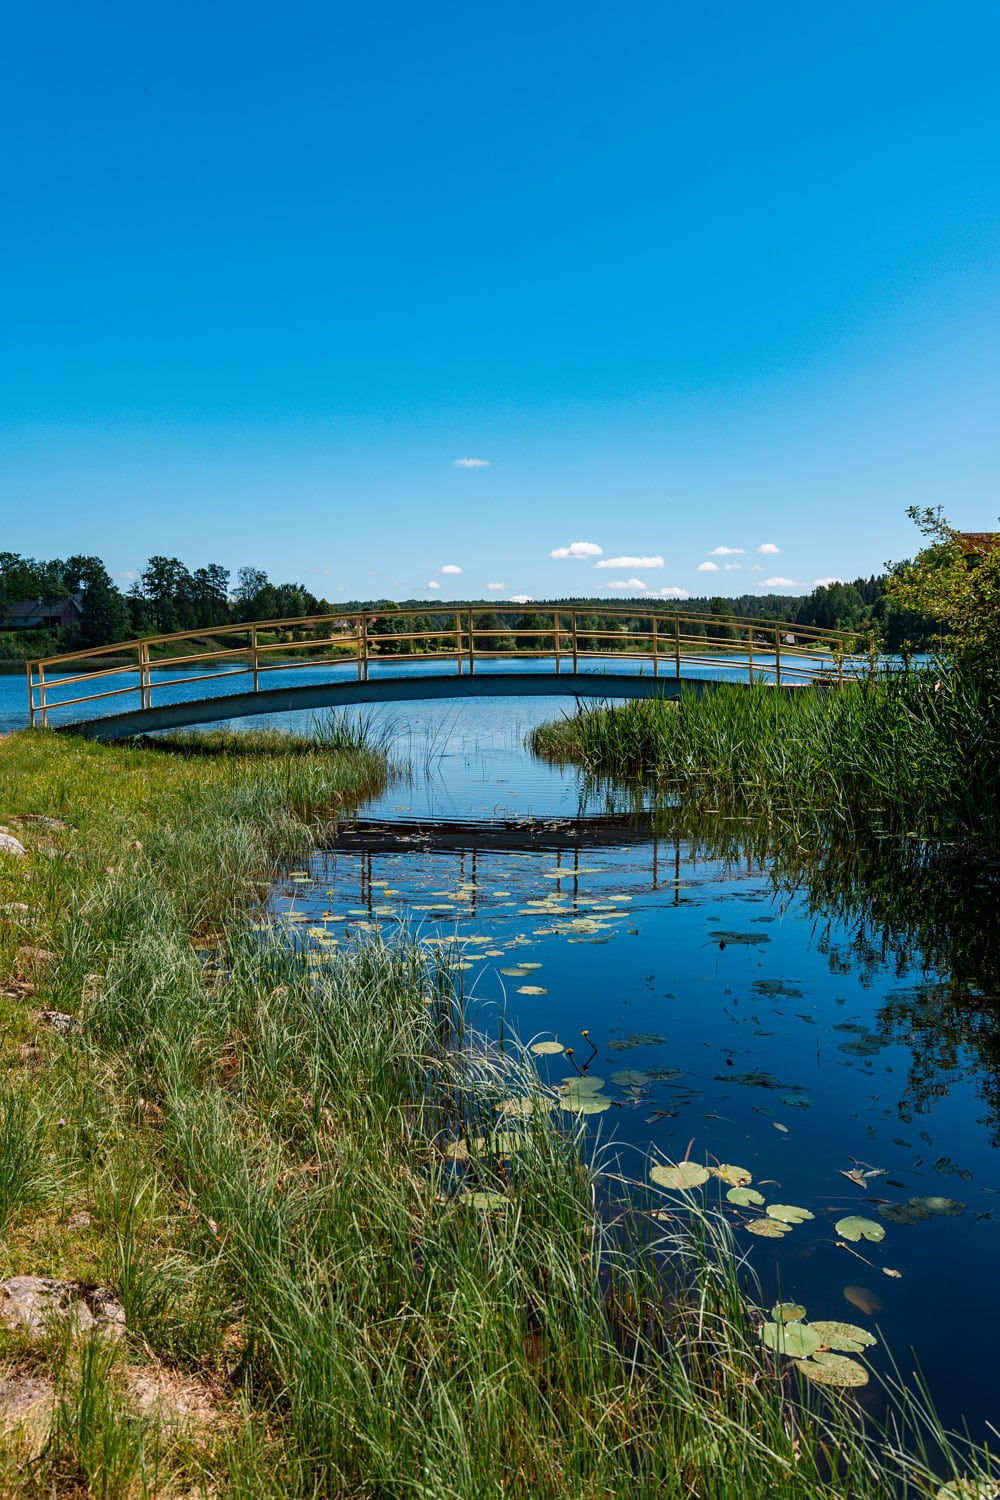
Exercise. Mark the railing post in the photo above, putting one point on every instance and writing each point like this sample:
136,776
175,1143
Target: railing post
31,694
572,621
840,664
145,685
656,659
364,647
750,651
556,618
677,646
458,640
41,695
254,657
357,642
472,656
777,656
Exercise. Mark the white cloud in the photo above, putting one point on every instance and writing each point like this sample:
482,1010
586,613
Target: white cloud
520,598
824,583
495,588
128,574
779,583
672,592
731,567
450,568
768,549
630,562
727,552
471,463
433,585
578,550
633,585
708,567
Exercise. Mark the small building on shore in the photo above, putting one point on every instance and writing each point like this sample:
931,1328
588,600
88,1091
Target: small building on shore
41,614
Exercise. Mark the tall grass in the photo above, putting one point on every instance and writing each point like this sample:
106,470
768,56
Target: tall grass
270,1151
919,750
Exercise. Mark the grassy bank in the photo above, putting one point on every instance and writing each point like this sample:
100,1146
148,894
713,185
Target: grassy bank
919,751
326,1293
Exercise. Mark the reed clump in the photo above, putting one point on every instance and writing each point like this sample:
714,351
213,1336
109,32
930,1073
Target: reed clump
350,1230
917,751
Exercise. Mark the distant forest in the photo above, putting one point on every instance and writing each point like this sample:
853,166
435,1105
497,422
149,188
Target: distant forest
169,596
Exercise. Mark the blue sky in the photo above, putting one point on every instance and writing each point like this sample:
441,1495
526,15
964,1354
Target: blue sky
684,277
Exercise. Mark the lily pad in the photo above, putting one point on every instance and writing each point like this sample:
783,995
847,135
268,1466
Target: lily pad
902,1213
735,1176
527,1104
969,1489
767,1229
789,1312
745,1197
547,1049
797,1340
833,1369
750,939
586,1104
630,1078
686,1174
531,989
948,1207
855,1228
637,1039
481,1199
846,1337
587,1083
787,1213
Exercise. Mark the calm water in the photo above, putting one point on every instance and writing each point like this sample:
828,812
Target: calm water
796,1011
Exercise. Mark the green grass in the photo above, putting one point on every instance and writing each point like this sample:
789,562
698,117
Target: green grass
262,1143
919,751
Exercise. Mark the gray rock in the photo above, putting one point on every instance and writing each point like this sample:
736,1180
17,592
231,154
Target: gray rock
10,845
59,1021
29,1303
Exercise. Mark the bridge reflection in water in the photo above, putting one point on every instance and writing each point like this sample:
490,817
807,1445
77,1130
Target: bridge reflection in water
276,666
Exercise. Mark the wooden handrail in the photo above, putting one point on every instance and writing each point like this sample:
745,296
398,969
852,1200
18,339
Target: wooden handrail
472,633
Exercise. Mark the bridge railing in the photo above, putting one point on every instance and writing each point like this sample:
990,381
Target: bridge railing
469,637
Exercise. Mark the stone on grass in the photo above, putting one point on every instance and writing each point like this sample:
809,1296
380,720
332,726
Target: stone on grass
28,1304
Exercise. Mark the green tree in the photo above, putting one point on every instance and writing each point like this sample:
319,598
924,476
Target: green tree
832,606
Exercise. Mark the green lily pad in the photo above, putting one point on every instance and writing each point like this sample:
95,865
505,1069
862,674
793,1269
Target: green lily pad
948,1207
846,1337
586,1104
547,1049
531,989
637,1039
797,1340
833,1369
902,1213
745,1197
789,1312
855,1228
686,1174
969,1489
630,1078
788,1213
527,1104
515,973
767,1229
481,1199
751,939
735,1176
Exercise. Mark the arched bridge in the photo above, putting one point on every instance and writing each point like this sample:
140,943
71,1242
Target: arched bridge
393,655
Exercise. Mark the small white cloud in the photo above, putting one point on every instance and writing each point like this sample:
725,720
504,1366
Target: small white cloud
127,574
327,572
471,463
578,550
768,549
495,588
731,567
727,552
630,562
520,598
632,585
824,583
672,592
708,567
450,568
779,583
433,585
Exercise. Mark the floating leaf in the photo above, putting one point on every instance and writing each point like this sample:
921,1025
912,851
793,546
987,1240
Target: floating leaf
788,1213
751,939
515,973
767,1229
637,1039
846,1337
833,1369
481,1199
896,1275
782,1128
587,1104
547,1049
745,1197
736,1176
533,1104
969,1489
531,989
864,1300
587,1083
948,1207
797,1340
902,1213
855,1228
790,1312
630,1078
686,1174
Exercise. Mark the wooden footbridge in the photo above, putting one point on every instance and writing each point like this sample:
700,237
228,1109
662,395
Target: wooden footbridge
397,655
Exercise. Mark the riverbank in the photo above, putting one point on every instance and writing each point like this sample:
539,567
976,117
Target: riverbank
348,1263
918,752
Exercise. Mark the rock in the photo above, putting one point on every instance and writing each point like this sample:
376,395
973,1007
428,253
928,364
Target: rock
79,1219
26,1407
10,845
21,1396
38,818
29,1303
27,954
58,1020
